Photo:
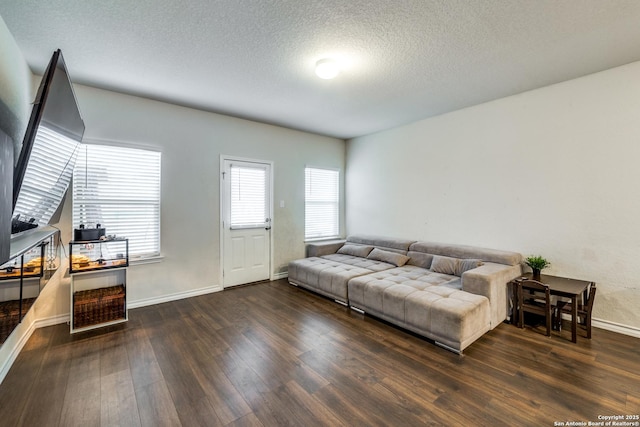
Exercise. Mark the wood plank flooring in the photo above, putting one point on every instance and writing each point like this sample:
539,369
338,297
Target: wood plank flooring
274,355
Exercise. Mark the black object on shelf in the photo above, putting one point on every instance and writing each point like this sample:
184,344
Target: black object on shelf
18,225
85,234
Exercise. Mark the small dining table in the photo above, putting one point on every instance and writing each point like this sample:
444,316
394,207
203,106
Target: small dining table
561,287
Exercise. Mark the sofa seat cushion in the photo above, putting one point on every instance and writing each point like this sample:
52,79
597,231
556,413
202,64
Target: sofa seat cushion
417,277
368,289
329,276
431,304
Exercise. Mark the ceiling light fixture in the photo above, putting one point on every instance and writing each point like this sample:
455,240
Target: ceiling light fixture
327,68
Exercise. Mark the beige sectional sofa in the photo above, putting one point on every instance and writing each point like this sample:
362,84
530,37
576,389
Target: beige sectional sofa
452,294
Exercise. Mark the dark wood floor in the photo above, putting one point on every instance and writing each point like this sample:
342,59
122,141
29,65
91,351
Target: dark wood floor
274,355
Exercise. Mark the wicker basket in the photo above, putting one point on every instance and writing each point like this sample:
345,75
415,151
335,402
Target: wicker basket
97,306
9,317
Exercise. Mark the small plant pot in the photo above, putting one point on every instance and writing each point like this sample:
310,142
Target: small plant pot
536,274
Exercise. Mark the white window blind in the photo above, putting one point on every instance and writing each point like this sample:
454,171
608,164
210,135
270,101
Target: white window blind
47,176
322,205
249,206
119,188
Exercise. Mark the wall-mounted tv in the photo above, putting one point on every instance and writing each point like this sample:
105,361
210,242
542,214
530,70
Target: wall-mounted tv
49,150
6,187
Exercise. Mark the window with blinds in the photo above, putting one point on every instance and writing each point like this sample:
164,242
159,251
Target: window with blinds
249,204
47,176
119,188
322,203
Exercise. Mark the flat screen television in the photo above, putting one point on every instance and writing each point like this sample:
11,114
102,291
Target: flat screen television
45,165
6,187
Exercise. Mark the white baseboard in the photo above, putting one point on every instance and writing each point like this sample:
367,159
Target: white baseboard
174,297
278,276
616,327
15,351
610,326
53,320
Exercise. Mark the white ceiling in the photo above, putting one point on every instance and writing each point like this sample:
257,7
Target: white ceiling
403,59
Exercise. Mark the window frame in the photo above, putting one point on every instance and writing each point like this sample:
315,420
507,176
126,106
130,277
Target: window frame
143,258
337,203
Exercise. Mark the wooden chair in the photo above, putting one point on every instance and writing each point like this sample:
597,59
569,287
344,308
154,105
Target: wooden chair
535,297
584,311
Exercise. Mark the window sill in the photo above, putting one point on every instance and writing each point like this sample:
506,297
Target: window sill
146,260
323,239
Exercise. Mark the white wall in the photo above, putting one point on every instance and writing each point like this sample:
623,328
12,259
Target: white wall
552,171
15,88
15,96
191,143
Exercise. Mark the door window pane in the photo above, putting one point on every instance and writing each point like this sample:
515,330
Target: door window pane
248,196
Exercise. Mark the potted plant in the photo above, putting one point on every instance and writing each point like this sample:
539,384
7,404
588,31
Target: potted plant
537,264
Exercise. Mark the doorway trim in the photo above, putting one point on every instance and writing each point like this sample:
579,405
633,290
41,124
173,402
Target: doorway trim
223,158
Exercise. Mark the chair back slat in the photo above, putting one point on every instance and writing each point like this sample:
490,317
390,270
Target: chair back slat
584,311
535,285
592,296
536,292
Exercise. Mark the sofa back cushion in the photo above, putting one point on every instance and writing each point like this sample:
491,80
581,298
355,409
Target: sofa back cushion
355,250
466,252
467,264
420,259
385,243
444,265
453,266
389,257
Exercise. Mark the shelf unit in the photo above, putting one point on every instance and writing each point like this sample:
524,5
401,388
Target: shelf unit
34,259
98,293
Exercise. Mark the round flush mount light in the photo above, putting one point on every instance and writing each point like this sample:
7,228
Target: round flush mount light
327,68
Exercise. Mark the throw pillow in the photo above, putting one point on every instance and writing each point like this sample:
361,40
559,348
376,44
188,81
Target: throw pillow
467,264
420,259
355,250
389,257
444,265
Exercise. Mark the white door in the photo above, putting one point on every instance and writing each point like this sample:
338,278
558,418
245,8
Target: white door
246,221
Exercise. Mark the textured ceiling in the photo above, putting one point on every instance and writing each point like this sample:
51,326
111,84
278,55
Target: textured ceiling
403,60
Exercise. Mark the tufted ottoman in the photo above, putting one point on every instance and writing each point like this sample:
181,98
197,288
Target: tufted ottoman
427,303
329,274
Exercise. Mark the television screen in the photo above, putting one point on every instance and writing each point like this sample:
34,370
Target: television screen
49,150
6,174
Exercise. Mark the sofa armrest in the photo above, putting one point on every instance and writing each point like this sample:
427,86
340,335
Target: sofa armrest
490,280
324,248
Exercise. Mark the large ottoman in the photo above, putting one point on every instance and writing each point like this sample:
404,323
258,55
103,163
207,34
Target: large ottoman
430,304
